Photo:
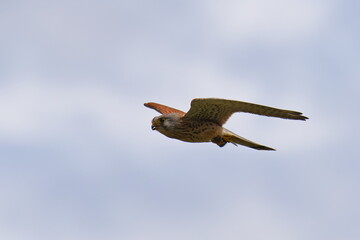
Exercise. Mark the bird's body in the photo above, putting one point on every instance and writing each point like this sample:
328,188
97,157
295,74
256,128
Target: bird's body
188,131
203,122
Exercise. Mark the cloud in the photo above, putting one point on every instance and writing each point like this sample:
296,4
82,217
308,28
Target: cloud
78,157
34,110
275,21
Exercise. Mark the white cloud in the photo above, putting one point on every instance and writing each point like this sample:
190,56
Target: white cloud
34,110
279,20
255,219
79,80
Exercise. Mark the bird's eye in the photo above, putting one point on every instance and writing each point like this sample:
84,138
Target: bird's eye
161,120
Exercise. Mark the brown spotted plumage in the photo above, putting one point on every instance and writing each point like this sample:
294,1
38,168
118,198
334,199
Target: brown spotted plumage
203,122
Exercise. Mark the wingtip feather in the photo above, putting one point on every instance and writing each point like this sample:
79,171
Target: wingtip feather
298,116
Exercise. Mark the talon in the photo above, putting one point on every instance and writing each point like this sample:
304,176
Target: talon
219,141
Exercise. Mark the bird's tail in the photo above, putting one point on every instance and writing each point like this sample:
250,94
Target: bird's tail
229,136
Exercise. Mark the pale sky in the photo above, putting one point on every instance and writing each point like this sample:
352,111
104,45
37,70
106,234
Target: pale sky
78,159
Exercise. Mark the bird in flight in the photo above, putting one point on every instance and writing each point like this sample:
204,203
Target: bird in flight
206,117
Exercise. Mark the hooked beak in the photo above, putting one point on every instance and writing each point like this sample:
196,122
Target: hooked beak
153,127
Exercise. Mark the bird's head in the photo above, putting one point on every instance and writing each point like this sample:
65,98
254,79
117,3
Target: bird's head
165,123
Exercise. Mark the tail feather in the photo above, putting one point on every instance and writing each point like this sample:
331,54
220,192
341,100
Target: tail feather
235,139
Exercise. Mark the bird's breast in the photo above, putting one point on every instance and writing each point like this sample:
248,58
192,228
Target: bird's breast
194,131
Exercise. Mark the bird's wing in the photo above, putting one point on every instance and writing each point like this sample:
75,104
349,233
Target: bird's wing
229,136
219,110
163,109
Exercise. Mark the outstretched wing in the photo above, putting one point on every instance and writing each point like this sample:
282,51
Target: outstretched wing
163,109
235,139
219,110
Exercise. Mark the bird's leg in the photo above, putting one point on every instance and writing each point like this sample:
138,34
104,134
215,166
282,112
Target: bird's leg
219,141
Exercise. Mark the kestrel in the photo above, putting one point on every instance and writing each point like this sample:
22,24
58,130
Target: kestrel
204,121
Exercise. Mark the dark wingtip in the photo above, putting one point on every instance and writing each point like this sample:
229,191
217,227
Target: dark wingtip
298,116
301,117
265,148
150,105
